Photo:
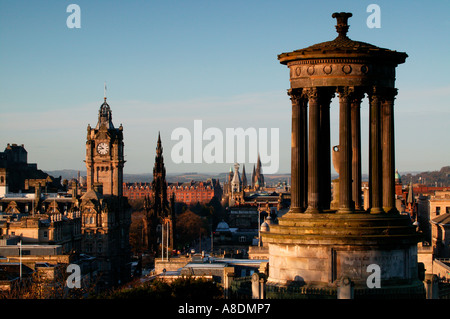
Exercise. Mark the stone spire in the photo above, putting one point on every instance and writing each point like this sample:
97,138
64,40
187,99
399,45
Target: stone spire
236,182
159,148
258,179
244,177
159,184
253,176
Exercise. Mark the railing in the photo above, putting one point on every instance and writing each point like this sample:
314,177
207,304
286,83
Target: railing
241,287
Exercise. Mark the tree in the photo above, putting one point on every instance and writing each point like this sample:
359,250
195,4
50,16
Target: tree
189,227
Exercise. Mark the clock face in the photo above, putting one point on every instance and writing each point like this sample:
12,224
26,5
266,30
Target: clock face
102,148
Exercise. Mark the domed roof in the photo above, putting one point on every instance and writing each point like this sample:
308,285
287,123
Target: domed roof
397,176
342,46
265,227
223,226
269,220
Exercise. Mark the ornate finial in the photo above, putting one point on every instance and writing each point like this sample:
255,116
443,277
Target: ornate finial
342,26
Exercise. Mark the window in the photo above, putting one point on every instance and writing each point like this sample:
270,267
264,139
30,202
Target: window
447,210
438,210
45,234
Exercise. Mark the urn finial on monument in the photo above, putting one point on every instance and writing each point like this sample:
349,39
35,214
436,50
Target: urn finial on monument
342,25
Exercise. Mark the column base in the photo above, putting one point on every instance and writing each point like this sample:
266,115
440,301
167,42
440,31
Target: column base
345,210
310,253
390,210
296,210
376,210
314,210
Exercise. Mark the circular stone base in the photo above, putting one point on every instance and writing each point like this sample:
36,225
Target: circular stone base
311,253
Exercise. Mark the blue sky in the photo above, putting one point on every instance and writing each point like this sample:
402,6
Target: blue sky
168,63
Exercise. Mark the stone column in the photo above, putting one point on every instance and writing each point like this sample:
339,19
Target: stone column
388,153
304,150
345,151
313,151
375,153
228,276
356,149
324,148
297,156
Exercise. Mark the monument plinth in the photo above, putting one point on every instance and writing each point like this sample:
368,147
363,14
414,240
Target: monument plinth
318,245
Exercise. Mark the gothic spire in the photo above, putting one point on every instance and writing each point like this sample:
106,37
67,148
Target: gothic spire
244,177
258,164
159,148
159,184
253,176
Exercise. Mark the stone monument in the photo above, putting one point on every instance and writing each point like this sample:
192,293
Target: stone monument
315,246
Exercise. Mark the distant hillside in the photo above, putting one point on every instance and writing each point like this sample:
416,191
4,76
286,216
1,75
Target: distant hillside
433,178
184,177
441,177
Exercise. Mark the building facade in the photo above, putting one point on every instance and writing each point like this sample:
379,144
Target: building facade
185,192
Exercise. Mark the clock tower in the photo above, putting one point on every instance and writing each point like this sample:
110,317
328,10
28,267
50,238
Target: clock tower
106,214
104,154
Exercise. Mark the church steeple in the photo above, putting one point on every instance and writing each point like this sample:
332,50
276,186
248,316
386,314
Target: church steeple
244,177
257,176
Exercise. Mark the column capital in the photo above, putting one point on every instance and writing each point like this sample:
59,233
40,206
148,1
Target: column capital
350,92
382,92
312,93
327,94
296,95
389,94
